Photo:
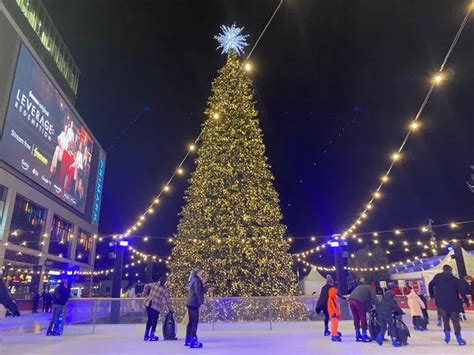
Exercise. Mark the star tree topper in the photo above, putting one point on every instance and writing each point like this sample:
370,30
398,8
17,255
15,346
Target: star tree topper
231,38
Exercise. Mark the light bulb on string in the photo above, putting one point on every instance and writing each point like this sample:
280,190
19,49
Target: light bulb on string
438,78
396,156
180,171
384,178
414,125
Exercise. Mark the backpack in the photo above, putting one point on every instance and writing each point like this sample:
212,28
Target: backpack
169,327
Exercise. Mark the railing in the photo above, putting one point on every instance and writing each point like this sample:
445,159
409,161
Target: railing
215,311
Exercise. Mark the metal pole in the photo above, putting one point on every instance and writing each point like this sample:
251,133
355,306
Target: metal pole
117,284
94,310
270,312
213,305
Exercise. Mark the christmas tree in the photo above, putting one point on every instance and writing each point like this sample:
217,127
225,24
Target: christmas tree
231,223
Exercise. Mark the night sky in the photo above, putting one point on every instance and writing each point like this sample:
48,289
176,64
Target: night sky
336,84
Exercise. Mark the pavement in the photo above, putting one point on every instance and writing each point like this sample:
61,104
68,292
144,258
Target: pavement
303,338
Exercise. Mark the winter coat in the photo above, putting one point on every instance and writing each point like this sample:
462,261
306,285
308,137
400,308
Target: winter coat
387,306
445,288
157,296
5,298
334,309
61,295
364,294
415,304
196,293
323,299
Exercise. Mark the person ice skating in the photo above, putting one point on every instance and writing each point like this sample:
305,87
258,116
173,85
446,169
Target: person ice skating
60,297
323,301
5,298
415,305
156,296
386,309
194,301
361,299
47,301
425,310
36,299
334,311
446,290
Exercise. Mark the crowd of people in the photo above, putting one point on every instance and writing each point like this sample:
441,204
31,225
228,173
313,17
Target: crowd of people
448,292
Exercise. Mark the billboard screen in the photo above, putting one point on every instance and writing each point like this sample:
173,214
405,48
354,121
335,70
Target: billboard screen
43,138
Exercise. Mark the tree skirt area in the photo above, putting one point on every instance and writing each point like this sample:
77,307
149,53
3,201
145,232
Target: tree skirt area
232,338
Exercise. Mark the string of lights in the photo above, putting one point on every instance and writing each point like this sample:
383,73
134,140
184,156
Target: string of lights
413,127
375,234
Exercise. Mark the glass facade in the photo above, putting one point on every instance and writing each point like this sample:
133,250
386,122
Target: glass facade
27,226
84,246
39,20
62,234
3,200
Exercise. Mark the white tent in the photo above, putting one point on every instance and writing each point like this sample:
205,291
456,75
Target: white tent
427,275
313,282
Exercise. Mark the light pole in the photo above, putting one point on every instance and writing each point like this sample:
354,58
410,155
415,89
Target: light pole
117,279
340,261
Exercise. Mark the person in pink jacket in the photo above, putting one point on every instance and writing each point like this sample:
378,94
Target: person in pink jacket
416,305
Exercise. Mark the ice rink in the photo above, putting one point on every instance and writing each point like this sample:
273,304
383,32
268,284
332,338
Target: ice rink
233,338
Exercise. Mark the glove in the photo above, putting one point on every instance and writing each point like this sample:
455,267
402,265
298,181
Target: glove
15,313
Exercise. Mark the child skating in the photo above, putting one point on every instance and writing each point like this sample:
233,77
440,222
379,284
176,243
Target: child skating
334,311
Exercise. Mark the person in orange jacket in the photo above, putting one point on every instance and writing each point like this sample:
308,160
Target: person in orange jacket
334,313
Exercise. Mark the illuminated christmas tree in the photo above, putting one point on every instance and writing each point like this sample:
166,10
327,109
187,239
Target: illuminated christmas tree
231,223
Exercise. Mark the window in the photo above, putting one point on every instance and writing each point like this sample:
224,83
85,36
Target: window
62,233
84,246
27,224
3,201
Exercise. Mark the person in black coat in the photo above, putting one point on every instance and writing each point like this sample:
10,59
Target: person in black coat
447,292
60,297
36,300
323,301
6,300
386,309
194,301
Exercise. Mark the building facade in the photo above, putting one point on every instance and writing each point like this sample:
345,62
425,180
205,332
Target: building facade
51,166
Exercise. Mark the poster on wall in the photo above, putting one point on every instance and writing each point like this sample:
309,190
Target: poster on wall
43,138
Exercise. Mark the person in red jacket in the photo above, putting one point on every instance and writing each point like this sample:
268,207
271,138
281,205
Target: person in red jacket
334,311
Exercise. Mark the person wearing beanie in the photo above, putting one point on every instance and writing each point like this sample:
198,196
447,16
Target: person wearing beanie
446,290
323,301
362,299
385,310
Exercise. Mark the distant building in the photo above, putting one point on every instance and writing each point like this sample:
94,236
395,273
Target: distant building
51,166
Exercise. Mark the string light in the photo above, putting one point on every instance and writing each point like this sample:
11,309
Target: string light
248,67
437,79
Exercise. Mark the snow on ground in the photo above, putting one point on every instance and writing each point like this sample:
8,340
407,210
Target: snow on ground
226,339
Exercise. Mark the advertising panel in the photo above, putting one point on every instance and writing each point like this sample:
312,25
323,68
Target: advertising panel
43,138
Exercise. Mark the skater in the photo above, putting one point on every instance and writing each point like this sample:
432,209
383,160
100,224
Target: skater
446,290
334,311
386,308
36,299
194,301
47,301
362,299
156,296
5,298
323,301
416,305
425,310
60,298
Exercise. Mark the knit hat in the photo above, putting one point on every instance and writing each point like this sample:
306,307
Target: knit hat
329,280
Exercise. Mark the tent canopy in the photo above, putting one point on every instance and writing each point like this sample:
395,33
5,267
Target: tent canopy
313,282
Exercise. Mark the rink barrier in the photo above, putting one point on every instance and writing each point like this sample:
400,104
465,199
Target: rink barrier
214,311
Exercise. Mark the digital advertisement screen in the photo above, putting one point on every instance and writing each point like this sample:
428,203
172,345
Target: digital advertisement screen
42,137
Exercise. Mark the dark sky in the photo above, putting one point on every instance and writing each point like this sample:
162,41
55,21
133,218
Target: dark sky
336,84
